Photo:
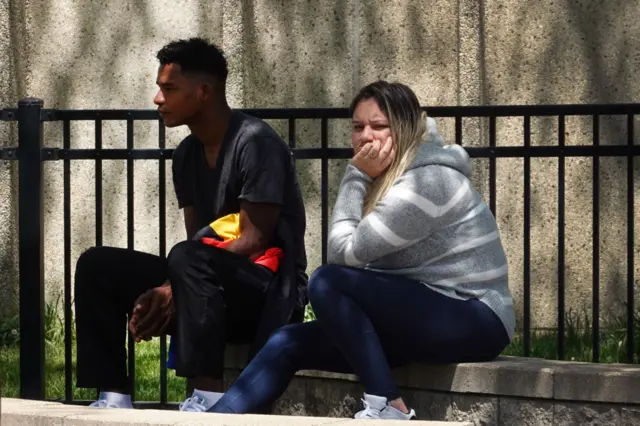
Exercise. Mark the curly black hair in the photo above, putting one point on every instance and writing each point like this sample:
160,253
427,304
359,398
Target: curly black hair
195,55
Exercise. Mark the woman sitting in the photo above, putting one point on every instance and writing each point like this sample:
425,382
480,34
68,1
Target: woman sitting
416,272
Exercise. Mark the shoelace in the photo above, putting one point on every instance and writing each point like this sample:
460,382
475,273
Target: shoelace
369,412
193,403
102,403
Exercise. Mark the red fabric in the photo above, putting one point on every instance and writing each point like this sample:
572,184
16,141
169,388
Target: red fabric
214,242
270,259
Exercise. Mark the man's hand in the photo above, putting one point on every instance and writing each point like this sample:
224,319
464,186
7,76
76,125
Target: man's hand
152,312
373,158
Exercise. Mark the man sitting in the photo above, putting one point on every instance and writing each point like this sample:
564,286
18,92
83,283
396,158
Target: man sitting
241,272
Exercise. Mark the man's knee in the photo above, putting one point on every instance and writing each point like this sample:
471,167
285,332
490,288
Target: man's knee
88,266
183,256
90,283
323,282
180,257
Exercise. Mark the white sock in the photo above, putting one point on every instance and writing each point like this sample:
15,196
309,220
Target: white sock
210,397
120,400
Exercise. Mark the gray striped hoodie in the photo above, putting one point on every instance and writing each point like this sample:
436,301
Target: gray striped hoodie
432,226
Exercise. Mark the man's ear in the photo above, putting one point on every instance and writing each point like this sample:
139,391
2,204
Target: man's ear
206,91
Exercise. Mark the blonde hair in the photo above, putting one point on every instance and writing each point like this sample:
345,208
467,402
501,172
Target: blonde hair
407,122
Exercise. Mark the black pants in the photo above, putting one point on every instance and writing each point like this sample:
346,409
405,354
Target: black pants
218,298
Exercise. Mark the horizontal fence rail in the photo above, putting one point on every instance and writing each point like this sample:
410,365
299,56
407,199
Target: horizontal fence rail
31,155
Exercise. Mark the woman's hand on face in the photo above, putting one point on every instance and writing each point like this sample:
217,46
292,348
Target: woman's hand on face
373,158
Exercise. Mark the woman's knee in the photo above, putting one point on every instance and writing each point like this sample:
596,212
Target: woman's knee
323,282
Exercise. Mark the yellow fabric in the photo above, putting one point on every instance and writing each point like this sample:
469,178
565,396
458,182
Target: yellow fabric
227,227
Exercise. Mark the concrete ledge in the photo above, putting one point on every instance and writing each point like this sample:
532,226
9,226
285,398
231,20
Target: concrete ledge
531,378
507,391
508,376
17,412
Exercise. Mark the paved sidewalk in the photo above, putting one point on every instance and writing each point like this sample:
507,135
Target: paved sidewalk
17,412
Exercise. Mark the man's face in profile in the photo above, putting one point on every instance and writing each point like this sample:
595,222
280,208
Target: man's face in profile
180,97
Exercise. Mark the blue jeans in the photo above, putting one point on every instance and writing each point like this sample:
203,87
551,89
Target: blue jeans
367,323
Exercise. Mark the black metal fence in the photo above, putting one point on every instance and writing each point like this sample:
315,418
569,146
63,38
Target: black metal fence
31,155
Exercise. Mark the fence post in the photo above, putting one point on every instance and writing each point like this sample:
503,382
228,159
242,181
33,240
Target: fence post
31,248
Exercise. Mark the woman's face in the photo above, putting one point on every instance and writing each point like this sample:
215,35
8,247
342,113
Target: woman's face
368,124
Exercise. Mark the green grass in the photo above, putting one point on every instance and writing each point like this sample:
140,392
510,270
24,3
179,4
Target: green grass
578,339
578,347
147,363
147,374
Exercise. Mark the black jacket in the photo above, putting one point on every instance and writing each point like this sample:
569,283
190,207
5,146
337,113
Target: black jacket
286,296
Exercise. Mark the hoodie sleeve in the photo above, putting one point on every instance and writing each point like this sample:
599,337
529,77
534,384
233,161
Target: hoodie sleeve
412,208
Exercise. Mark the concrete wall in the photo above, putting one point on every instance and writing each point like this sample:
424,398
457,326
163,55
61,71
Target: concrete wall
78,54
9,65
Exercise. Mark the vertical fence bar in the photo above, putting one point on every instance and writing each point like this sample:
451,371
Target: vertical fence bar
131,343
459,130
98,182
630,241
527,238
324,185
98,186
596,242
292,133
561,263
98,170
31,249
162,251
492,165
68,370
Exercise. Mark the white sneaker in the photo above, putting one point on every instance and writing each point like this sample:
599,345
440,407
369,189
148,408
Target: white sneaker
112,400
194,403
200,400
375,407
103,403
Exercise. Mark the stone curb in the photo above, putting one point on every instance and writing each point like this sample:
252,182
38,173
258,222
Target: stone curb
18,412
508,376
